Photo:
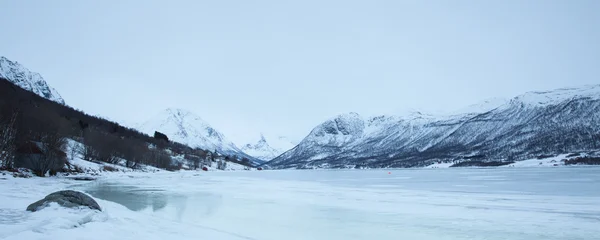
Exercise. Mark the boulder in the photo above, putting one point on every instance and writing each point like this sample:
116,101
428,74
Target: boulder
65,198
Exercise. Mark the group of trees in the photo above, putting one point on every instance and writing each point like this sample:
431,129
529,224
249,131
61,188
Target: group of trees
32,136
32,126
8,134
583,160
199,158
221,164
34,133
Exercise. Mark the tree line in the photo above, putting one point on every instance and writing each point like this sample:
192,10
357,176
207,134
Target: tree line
34,132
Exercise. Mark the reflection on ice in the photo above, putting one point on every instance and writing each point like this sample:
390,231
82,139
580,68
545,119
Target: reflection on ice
132,197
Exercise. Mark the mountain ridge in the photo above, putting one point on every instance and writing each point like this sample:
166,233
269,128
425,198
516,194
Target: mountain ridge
529,124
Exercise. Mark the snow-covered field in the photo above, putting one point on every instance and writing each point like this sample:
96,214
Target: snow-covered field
494,203
546,162
555,161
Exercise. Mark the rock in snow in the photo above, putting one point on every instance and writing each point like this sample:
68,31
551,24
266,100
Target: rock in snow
31,81
66,198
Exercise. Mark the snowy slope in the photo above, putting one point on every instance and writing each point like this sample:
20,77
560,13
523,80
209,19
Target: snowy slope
481,107
535,123
549,98
187,128
28,80
267,148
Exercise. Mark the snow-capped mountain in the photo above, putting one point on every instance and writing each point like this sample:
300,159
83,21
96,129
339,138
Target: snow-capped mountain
533,124
267,148
28,80
187,128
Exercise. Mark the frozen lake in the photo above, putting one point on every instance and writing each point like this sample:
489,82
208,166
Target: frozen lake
497,203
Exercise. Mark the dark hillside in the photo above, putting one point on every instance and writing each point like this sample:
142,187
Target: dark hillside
27,117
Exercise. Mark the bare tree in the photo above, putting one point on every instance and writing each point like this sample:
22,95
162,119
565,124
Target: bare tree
89,140
89,153
101,146
192,160
221,164
207,162
158,158
74,150
55,156
44,156
132,151
8,133
203,155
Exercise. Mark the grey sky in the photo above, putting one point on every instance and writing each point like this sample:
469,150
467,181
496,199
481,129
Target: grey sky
282,67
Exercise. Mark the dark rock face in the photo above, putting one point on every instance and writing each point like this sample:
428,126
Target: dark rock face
66,198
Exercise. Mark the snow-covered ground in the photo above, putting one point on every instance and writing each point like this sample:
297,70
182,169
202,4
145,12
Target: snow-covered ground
100,168
498,203
546,162
555,161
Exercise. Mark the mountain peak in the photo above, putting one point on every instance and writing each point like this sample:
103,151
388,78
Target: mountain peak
178,111
183,126
349,115
31,81
262,139
267,147
186,127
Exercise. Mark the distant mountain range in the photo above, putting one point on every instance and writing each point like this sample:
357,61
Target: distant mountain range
267,148
28,80
533,124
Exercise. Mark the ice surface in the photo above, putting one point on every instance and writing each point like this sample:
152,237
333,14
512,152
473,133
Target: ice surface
495,203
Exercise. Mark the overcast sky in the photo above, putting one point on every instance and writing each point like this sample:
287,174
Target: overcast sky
283,67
